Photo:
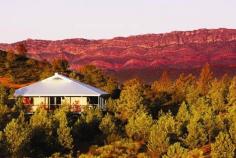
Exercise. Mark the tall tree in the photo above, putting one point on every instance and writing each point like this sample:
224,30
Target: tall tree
232,92
164,84
197,134
95,76
63,131
205,79
139,125
181,86
17,134
109,128
3,95
43,142
232,122
131,99
64,134
11,57
217,95
60,65
159,138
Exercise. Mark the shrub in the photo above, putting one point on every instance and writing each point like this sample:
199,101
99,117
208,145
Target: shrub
176,151
223,147
138,127
17,134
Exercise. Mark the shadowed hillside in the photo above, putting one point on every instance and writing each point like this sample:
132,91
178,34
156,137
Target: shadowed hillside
19,69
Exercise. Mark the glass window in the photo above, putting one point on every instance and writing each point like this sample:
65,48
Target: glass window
52,101
55,100
58,100
93,100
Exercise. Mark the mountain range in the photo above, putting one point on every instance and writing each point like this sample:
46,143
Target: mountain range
143,56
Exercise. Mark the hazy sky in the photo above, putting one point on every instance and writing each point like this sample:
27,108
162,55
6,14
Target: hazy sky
95,19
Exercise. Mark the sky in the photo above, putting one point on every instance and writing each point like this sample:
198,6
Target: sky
102,19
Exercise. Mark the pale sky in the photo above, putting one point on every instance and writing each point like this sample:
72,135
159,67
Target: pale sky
98,19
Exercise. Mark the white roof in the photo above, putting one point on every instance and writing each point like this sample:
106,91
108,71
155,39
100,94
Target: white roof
59,85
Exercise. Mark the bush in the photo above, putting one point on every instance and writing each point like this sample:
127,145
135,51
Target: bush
138,127
17,134
176,151
223,147
159,139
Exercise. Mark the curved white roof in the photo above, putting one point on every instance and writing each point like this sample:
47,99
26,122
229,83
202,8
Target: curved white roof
59,85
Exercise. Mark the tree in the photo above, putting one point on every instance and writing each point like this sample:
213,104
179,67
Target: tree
63,131
11,57
205,79
90,115
107,125
232,93
111,86
92,75
181,86
183,114
192,95
223,147
164,84
138,126
109,128
96,77
4,116
176,151
124,148
131,99
197,134
3,148
183,117
204,116
64,134
41,119
159,138
217,95
232,122
17,134
60,65
42,142
232,132
3,95
86,129
158,141
47,72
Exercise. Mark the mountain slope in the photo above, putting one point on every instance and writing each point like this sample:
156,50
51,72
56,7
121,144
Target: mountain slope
144,56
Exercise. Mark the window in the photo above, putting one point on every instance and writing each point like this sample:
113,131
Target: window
55,100
52,101
93,100
58,100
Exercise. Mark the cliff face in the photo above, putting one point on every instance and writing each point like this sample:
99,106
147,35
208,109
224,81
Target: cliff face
144,56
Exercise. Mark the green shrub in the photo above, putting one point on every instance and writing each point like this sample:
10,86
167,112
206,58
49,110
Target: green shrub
223,147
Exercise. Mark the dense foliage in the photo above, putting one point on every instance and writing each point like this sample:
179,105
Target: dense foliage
189,117
19,68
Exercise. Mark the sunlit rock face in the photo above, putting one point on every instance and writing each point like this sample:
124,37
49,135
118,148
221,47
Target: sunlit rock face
144,56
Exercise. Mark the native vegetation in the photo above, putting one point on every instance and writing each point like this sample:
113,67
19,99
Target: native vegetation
187,117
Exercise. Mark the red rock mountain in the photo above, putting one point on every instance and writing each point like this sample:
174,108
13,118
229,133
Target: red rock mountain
144,56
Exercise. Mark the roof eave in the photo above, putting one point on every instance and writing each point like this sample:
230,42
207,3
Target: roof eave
54,95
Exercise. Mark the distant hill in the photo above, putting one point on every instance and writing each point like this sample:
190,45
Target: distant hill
144,56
